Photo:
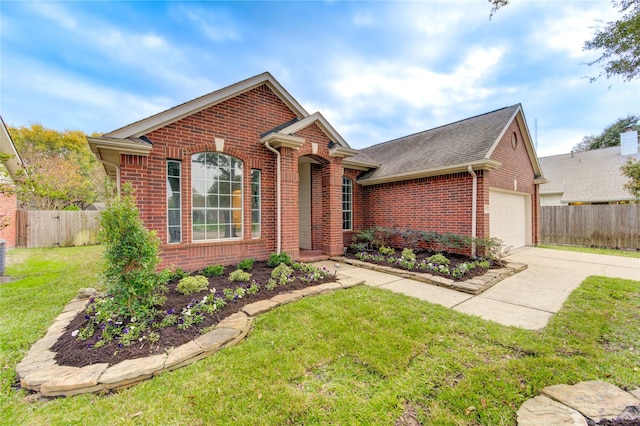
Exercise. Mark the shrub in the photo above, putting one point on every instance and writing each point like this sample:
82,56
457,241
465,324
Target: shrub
438,259
408,255
131,254
239,276
282,274
388,251
246,265
190,285
276,259
213,271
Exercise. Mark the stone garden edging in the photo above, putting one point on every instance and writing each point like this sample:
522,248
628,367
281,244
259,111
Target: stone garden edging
38,370
472,286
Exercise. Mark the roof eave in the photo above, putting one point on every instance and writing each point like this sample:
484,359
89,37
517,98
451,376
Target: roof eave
438,171
321,122
277,140
363,166
174,114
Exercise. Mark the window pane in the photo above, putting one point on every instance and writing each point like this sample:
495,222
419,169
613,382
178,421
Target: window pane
220,175
174,207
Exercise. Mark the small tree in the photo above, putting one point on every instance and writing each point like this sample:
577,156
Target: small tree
632,171
131,254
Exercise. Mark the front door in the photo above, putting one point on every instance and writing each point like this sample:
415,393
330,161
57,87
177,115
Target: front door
304,205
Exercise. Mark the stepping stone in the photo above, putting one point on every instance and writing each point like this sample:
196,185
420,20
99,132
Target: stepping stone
594,399
543,411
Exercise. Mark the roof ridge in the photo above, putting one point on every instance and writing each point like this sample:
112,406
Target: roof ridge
441,126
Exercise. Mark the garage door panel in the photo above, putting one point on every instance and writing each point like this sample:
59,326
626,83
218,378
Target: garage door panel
508,218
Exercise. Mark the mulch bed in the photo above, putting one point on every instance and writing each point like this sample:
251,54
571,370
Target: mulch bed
454,259
79,353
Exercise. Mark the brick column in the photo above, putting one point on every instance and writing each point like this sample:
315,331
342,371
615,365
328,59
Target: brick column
332,243
290,218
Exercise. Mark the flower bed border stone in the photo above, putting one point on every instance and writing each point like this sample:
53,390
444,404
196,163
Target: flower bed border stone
472,286
38,370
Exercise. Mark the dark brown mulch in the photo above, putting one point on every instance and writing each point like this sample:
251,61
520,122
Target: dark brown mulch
79,353
454,259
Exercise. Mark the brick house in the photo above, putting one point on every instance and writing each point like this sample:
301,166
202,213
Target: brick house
245,171
8,199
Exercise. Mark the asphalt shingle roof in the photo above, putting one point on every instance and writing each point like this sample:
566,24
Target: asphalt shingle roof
462,142
586,175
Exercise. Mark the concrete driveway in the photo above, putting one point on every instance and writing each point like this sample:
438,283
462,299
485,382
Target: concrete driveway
528,299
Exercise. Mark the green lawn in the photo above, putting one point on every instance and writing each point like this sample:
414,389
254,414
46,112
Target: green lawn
611,252
356,356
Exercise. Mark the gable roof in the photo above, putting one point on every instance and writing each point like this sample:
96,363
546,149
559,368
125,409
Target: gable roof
7,147
131,139
446,149
176,113
587,176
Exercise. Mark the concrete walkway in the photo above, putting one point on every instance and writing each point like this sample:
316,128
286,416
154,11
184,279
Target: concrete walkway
527,299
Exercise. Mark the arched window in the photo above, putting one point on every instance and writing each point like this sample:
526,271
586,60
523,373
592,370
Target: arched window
216,197
347,204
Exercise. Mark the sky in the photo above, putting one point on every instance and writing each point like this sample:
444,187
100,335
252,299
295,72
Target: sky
376,70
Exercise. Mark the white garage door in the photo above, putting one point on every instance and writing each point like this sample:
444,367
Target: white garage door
508,218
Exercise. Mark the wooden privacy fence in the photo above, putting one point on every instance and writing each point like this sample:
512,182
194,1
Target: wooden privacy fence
53,228
608,225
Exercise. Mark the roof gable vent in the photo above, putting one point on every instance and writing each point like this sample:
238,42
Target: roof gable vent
629,142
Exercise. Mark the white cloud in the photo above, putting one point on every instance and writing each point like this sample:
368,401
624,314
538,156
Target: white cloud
217,25
566,28
54,13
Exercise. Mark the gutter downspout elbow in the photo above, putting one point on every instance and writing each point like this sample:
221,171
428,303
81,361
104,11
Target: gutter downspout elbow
474,208
278,196
115,166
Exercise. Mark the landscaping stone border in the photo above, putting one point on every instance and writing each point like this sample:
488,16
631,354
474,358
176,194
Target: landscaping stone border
38,370
473,286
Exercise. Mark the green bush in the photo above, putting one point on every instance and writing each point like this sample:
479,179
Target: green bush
239,275
190,285
408,254
387,251
282,274
246,265
438,259
212,271
131,254
276,259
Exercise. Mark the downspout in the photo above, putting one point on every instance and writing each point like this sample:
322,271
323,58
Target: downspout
117,172
474,207
278,197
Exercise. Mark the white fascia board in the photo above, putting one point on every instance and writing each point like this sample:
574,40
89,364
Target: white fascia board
276,140
457,168
8,147
174,114
359,165
324,125
122,146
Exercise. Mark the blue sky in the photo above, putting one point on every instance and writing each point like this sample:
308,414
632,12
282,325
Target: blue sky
375,70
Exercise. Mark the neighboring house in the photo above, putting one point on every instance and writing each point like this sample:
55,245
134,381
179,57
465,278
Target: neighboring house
586,177
8,199
245,171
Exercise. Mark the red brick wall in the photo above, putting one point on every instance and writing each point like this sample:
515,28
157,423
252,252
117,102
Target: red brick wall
515,174
239,121
8,207
438,203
